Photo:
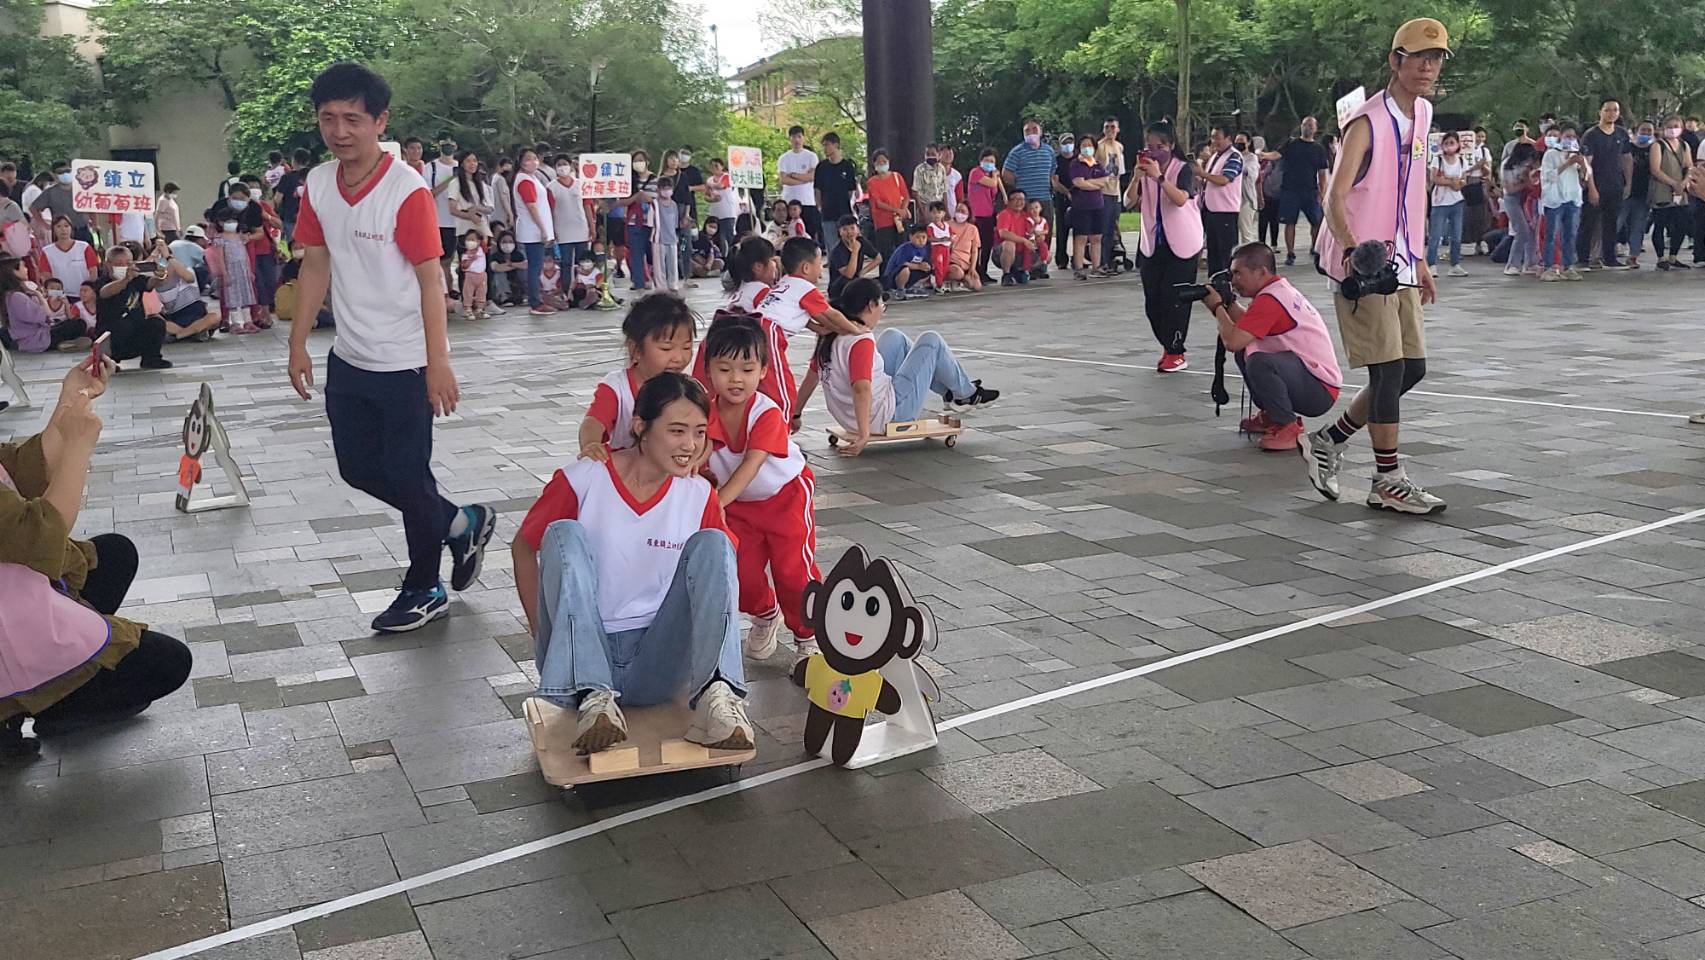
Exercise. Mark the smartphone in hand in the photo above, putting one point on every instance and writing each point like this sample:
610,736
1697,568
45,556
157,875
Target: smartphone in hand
99,353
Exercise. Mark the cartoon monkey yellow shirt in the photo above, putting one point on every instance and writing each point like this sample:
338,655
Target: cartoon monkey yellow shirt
846,695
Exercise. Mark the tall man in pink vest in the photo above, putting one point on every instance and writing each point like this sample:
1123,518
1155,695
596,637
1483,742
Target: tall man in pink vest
1222,197
1282,346
1379,193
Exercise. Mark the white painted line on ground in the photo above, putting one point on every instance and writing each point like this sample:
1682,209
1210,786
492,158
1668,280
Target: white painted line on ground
784,773
1232,374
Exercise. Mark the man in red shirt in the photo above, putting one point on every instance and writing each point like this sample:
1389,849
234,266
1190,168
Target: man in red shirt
1282,346
1015,245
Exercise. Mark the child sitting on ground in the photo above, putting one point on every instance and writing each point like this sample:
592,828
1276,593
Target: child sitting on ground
1038,229
967,247
908,270
551,286
940,244
764,486
658,334
796,220
586,292
869,381
707,250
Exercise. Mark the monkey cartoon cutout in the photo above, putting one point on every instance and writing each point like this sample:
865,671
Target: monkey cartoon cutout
864,618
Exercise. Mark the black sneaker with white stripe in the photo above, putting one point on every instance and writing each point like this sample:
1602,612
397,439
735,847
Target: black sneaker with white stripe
415,607
980,396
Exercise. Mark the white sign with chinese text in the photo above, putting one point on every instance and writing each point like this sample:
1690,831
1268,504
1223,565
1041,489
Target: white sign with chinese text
1348,103
746,168
112,186
605,176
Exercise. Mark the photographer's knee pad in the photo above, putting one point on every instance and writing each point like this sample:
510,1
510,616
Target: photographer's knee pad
1414,370
1385,386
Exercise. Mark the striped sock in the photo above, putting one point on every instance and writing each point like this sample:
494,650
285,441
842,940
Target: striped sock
1344,429
1385,461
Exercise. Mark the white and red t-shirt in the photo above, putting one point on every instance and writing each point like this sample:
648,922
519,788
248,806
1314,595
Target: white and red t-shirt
376,238
612,406
749,294
791,304
762,428
532,194
854,359
635,546
940,234
71,267
777,384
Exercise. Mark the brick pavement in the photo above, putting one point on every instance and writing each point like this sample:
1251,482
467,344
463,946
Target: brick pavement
1509,769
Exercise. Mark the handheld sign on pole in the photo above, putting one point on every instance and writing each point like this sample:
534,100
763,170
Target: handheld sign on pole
746,168
203,432
605,176
112,186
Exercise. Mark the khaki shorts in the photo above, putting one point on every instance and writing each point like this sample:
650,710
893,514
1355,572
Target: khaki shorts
1379,329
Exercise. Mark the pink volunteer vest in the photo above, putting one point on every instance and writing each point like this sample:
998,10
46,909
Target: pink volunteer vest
43,632
1217,198
1309,339
1389,199
1183,224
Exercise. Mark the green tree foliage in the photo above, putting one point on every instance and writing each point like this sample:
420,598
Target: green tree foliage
50,104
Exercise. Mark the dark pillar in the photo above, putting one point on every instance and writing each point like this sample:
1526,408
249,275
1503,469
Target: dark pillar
899,80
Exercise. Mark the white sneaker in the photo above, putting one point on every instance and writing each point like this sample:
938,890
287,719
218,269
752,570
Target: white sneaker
1324,458
1551,275
720,721
601,723
1395,491
805,648
1512,271
1457,271
761,639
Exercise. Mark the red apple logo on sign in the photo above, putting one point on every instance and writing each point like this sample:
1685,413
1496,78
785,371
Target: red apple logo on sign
588,170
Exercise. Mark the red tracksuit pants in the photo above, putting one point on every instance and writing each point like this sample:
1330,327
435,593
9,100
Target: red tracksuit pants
777,540
940,258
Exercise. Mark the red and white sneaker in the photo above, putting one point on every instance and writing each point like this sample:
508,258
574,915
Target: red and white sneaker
1172,363
1281,439
1256,424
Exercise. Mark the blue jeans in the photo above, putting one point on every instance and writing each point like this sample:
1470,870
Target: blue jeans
1523,252
1445,222
919,369
568,254
639,254
1561,223
1110,207
1636,218
535,267
694,639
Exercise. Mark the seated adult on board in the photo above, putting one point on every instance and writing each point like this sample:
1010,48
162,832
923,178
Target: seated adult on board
1282,346
627,574
64,658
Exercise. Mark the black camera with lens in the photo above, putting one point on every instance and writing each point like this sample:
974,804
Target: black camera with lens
1196,292
1373,272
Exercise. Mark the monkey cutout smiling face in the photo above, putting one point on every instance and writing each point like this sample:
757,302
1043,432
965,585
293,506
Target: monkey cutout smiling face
862,614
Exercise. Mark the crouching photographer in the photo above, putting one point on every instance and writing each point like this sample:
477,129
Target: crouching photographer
1281,344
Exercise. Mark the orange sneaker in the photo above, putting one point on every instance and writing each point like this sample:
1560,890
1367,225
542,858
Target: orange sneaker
1282,439
1256,424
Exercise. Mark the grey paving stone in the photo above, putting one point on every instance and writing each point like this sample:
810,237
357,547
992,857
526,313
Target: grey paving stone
422,849
770,847
321,691
515,922
83,803
1465,876
1361,936
1585,639
1118,832
1032,898
1194,924
1592,819
999,781
1554,681
306,875
309,721
1686,799
1291,808
945,925
1366,781
1039,548
370,921
383,716
833,891
1677,744
1473,779
150,737
315,811
1237,673
1484,710
1321,706
1223,758
748,921
276,763
1293,884
450,757
398,946
1551,756
1434,813
39,864
507,793
437,663
1635,909
277,945
954,853
1668,865
1670,671
1411,634
117,918
1535,931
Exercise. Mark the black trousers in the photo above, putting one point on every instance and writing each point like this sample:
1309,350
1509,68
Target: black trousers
1600,216
64,331
1169,317
813,218
1671,222
382,435
1221,230
1062,232
134,337
1267,223
158,666
1698,212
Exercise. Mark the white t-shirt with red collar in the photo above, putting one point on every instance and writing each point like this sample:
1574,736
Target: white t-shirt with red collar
855,358
376,238
612,406
763,428
749,294
791,304
635,546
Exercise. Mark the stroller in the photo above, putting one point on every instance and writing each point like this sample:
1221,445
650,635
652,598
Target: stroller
1122,261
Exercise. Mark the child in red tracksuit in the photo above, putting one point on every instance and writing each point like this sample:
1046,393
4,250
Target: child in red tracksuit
940,243
765,488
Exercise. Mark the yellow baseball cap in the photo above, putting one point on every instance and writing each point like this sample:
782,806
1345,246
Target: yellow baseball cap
1422,33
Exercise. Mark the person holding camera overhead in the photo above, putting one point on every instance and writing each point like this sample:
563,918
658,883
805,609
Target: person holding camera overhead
1281,344
1378,199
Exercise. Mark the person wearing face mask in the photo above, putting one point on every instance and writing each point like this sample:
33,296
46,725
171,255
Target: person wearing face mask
534,227
1030,167
1668,160
26,312
1562,178
1449,174
985,195
506,269
1087,177
929,183
233,264
166,216
56,200
1636,211
119,310
568,212
640,214
1062,184
440,175
890,203
689,187
1171,241
1110,155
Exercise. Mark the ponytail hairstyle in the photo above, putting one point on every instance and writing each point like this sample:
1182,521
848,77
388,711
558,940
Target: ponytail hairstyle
856,297
662,390
747,255
1163,130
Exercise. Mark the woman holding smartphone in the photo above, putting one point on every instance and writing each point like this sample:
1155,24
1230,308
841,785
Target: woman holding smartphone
65,658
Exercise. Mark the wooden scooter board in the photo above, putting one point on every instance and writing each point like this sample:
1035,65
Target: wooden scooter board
946,426
654,745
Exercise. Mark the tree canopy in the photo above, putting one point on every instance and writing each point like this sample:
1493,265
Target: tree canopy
50,103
